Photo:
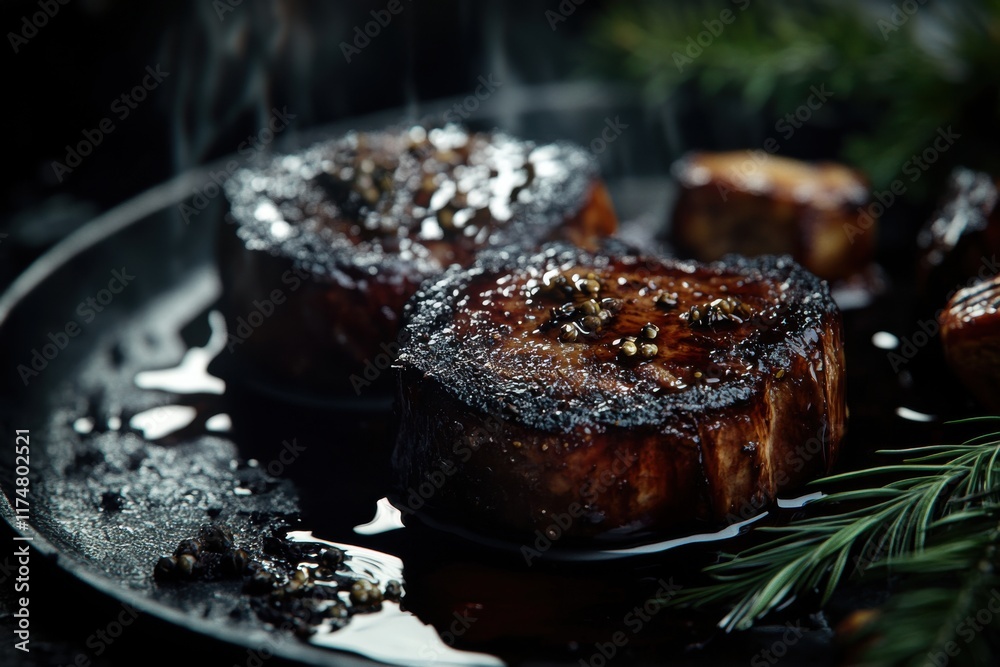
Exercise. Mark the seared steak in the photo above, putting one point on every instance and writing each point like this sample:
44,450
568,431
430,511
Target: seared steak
337,237
959,243
970,334
612,394
752,203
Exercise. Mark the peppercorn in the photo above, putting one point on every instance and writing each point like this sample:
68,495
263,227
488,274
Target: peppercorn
166,568
186,564
628,347
393,590
568,333
665,300
365,594
332,558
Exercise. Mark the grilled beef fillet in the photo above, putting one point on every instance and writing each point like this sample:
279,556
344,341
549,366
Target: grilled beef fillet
753,203
610,394
328,244
960,242
970,335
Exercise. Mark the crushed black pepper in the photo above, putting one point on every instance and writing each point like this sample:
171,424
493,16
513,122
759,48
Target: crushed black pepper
290,584
725,310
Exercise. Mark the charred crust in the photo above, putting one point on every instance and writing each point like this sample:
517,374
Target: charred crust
354,224
801,311
339,229
638,427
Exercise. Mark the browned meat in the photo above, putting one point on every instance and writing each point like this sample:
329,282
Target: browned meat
622,392
970,334
960,242
336,238
753,204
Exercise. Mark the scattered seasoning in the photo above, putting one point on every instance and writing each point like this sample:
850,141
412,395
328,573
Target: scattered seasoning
557,287
568,333
648,350
590,286
716,311
665,300
650,331
298,585
165,568
628,347
332,558
612,304
187,564
188,547
780,374
565,310
366,595
585,313
393,590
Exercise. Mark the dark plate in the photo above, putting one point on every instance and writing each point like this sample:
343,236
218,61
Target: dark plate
110,492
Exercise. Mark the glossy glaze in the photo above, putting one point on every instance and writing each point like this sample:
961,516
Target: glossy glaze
755,203
970,335
348,229
527,424
958,245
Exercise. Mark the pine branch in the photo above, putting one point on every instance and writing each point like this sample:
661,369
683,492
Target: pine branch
911,524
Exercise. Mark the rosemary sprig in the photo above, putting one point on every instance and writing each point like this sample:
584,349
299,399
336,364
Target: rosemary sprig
911,524
764,53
